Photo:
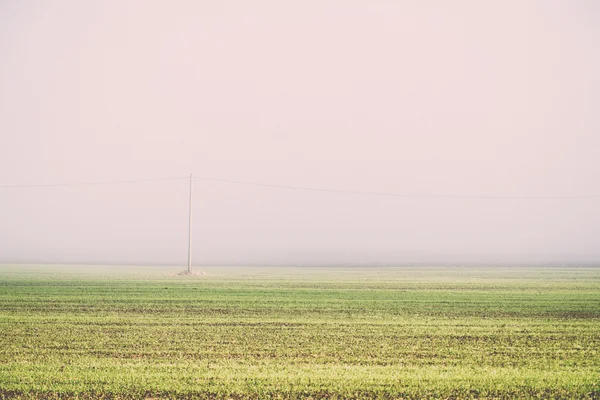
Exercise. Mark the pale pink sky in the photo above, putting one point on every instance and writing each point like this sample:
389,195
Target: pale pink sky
431,97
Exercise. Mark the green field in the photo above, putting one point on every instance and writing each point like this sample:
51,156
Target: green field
404,332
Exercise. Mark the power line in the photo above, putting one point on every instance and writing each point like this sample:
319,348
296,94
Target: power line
93,183
408,195
307,189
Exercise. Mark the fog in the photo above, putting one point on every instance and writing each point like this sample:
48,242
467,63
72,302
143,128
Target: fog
498,100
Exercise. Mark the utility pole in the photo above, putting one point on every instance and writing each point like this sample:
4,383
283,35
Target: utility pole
189,270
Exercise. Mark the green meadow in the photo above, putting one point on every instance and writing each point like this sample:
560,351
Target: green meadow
290,332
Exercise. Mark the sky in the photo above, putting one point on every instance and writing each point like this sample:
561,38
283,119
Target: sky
428,97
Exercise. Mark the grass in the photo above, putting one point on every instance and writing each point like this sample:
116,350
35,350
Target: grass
405,332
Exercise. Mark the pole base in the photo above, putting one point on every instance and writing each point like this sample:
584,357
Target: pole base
192,273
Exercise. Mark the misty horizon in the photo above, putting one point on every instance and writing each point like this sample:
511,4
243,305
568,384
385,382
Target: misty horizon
428,98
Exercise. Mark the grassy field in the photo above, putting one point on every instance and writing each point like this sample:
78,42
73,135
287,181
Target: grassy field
405,332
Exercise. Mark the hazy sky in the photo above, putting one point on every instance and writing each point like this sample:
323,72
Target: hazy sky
490,98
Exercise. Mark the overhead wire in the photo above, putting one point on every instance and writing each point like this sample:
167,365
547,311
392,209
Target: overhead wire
409,195
92,183
305,188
